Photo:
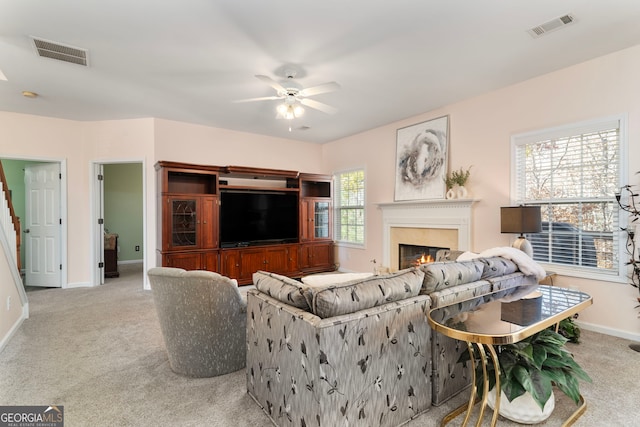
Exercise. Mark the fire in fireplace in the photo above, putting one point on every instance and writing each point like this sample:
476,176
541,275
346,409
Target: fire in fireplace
414,255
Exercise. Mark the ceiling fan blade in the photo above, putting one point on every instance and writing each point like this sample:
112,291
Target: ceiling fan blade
268,80
323,88
264,98
318,106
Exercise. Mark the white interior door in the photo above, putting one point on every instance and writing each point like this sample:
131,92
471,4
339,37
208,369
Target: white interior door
43,224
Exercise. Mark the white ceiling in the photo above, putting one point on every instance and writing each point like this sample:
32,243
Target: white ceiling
189,60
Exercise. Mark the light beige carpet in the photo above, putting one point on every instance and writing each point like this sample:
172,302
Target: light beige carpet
99,352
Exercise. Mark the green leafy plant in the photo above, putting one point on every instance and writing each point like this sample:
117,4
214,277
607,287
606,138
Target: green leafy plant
457,177
534,365
568,329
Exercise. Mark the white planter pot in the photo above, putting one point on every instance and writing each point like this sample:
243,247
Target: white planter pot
524,409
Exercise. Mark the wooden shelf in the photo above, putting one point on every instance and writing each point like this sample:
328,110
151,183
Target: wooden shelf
244,188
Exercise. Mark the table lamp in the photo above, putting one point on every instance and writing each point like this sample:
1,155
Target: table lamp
521,219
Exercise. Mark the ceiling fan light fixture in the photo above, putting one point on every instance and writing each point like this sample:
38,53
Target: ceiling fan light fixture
288,111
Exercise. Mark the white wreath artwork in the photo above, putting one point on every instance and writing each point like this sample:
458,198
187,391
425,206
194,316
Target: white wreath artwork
421,160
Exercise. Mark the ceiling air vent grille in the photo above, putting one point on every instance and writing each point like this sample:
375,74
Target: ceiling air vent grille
550,26
60,52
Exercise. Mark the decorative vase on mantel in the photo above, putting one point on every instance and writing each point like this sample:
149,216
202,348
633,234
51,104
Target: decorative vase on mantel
455,181
451,194
457,192
461,192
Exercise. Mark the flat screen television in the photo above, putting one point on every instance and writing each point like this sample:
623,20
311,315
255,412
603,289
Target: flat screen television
252,218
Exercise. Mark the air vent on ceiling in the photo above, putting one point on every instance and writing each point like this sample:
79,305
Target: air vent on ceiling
550,26
53,50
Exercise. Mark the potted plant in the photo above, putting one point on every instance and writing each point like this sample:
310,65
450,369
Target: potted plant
458,178
534,365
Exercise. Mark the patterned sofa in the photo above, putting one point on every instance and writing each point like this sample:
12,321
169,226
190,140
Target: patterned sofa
361,353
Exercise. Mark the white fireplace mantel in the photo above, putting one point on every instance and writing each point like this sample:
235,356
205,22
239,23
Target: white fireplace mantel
444,214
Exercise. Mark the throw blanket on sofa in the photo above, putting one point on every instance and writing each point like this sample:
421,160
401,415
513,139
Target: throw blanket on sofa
527,265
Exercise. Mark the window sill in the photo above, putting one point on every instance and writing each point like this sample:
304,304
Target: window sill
350,245
564,270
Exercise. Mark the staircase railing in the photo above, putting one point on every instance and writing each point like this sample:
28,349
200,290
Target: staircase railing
8,219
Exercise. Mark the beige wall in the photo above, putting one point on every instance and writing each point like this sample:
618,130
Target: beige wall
480,132
182,142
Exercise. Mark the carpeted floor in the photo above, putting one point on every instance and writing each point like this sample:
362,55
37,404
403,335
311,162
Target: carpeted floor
99,352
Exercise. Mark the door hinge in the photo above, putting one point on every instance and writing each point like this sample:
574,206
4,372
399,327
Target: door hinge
100,221
60,221
101,265
100,177
60,266
60,176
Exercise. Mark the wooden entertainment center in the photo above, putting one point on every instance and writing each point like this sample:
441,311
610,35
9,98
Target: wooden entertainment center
189,215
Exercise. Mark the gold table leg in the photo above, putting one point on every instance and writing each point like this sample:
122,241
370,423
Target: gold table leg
482,359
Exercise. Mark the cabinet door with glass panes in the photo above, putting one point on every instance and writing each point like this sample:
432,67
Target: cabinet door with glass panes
317,224
192,222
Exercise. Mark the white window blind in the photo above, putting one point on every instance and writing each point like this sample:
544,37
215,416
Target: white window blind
350,207
573,173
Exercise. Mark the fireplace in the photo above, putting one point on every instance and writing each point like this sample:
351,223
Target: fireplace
414,255
441,223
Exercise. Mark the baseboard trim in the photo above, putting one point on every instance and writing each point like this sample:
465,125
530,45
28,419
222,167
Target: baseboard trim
77,285
609,331
5,340
131,261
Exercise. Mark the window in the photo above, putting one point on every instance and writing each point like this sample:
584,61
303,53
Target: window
350,207
573,173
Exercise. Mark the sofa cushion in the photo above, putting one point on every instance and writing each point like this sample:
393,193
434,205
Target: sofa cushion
317,280
282,288
440,275
356,295
497,266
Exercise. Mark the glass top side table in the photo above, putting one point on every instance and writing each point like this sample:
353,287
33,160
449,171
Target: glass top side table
480,323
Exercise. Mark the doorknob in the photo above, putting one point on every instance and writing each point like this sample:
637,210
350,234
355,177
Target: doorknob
26,231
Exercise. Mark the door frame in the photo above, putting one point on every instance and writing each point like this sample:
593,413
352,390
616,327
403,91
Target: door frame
97,203
63,210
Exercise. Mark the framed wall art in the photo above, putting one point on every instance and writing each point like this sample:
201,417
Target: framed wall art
421,160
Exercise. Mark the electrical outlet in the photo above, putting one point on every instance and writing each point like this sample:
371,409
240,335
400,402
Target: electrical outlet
137,248
9,303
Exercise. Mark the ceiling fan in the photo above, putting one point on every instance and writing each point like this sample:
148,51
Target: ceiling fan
295,96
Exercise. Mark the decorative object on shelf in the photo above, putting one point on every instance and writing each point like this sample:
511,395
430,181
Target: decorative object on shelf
450,194
629,196
421,159
455,182
521,219
461,192
533,366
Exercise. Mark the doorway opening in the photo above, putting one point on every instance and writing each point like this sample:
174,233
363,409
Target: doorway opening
119,218
38,193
